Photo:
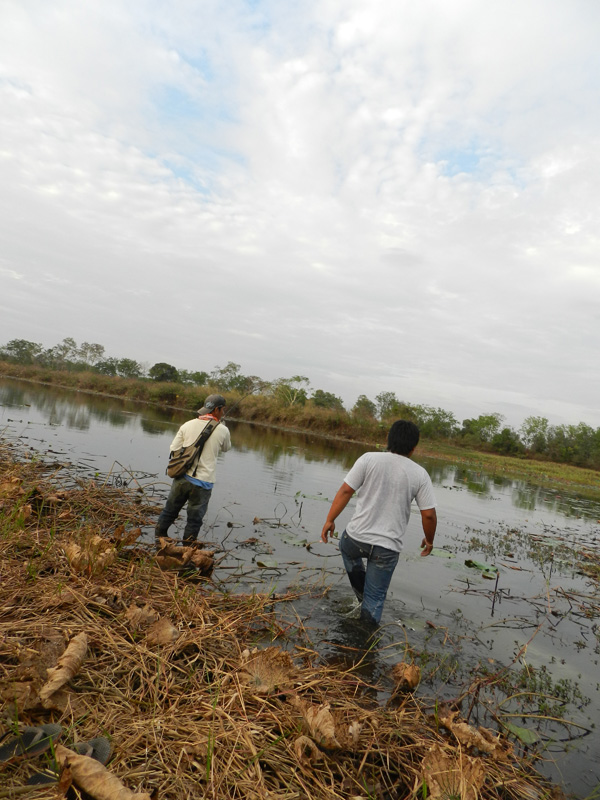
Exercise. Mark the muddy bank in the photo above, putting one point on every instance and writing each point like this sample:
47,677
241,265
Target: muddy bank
202,691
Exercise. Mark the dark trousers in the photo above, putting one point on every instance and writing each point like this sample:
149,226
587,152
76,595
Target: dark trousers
372,582
183,492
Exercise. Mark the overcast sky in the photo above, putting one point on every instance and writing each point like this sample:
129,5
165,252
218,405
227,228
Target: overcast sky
382,196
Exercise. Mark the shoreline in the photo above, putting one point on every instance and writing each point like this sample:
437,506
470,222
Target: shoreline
547,474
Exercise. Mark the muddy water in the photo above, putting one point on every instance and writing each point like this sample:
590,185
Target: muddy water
266,513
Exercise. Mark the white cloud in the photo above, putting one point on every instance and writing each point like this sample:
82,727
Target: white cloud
400,197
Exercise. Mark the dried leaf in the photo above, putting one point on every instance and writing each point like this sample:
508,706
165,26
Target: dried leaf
203,561
354,731
65,597
320,722
22,693
140,617
67,667
111,596
65,781
169,547
125,538
452,776
93,557
91,776
169,562
483,739
306,751
407,676
162,632
268,670
11,489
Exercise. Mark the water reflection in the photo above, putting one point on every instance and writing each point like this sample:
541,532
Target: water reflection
275,445
280,450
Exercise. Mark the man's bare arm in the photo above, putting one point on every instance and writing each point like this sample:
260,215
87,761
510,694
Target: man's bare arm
340,501
429,523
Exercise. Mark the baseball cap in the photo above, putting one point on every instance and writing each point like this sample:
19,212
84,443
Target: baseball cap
212,401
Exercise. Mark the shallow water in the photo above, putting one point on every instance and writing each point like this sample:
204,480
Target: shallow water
453,622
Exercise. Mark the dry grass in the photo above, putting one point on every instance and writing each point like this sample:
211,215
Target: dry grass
174,677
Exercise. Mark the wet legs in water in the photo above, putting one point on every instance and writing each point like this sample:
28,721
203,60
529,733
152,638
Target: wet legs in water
182,492
370,583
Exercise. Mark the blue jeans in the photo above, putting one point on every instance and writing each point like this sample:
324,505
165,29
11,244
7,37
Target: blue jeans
183,492
371,584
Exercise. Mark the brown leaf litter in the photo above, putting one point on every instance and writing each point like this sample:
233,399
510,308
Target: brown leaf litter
186,681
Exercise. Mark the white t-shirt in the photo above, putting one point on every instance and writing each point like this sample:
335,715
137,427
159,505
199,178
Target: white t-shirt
386,484
219,441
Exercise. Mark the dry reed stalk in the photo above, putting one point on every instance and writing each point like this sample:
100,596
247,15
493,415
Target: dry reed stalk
191,715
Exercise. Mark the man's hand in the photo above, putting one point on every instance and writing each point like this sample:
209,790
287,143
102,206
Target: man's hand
340,501
426,547
429,521
328,528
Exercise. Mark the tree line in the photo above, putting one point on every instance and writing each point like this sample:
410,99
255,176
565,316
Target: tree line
573,444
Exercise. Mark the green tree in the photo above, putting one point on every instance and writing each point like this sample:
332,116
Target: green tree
364,407
507,441
435,423
534,433
228,377
21,351
483,428
388,407
387,404
574,444
586,444
65,354
323,399
163,372
107,366
90,353
291,391
253,384
128,368
197,378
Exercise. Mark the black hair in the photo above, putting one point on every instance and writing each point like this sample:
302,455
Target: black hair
403,437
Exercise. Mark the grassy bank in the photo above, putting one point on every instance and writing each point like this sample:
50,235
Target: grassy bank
541,473
308,418
202,692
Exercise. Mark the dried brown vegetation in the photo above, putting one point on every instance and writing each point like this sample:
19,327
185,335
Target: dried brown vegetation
185,680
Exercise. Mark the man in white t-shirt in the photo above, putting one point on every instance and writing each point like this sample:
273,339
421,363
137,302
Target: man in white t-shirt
195,487
386,484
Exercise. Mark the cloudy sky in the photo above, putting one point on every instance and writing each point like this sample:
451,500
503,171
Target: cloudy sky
382,196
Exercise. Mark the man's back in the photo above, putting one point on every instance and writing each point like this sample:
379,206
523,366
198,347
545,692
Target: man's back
386,484
218,442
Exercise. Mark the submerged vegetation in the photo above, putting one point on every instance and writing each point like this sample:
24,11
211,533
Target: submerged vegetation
207,693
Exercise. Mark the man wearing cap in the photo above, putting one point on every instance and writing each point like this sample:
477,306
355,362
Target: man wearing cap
195,486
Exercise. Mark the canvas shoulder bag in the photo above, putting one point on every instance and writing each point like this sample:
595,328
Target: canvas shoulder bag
183,459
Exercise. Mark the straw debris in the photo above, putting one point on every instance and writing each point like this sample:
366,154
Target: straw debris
187,681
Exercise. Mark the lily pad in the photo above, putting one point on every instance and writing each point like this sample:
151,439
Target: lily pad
523,734
437,551
311,496
293,540
266,563
487,570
